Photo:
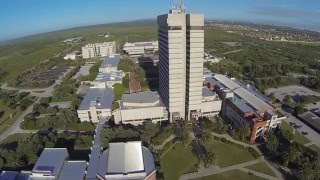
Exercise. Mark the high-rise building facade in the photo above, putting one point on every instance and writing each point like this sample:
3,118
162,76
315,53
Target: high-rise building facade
181,48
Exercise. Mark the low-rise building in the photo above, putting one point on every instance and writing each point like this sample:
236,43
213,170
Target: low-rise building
49,164
126,160
70,56
96,104
110,63
138,108
98,49
210,104
139,48
242,107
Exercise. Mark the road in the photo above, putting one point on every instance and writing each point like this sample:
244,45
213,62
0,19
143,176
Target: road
15,127
47,92
313,136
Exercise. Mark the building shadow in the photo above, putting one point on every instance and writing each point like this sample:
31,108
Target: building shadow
150,65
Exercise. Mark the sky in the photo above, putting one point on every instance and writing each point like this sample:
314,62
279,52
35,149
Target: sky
26,17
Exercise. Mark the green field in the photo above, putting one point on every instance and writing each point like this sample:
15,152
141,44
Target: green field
178,161
19,55
262,168
228,155
231,175
119,89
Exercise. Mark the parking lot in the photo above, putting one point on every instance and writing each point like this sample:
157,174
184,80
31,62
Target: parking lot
294,91
52,74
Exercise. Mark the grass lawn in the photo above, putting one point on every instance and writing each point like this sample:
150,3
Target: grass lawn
119,89
262,168
229,155
314,148
5,112
234,174
298,137
177,161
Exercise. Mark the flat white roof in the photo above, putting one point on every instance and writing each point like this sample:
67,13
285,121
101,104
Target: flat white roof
254,101
51,161
125,158
100,98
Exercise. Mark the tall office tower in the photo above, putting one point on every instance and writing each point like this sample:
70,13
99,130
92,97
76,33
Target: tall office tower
181,48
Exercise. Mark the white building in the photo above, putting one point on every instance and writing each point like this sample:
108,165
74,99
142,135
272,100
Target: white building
140,107
210,104
139,48
181,49
98,50
70,56
96,104
129,160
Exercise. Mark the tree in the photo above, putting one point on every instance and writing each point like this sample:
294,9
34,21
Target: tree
287,100
272,142
306,172
186,130
210,159
272,97
244,131
299,110
205,137
149,131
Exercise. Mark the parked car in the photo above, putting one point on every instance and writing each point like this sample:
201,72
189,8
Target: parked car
297,126
304,133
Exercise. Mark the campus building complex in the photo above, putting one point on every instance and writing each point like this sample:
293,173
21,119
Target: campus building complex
181,48
242,105
140,48
98,50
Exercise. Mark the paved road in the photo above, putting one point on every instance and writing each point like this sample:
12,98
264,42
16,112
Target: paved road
313,136
47,92
15,128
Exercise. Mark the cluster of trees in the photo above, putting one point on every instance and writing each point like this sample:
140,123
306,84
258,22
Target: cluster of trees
218,126
148,133
25,154
293,155
15,100
126,65
65,91
311,82
56,118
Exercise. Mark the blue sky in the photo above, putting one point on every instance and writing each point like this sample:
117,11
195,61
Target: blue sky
24,17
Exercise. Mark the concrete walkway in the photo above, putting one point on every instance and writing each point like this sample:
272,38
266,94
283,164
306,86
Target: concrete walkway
202,171
159,147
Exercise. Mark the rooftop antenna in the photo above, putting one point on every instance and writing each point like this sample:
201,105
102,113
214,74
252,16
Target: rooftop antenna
178,7
181,8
